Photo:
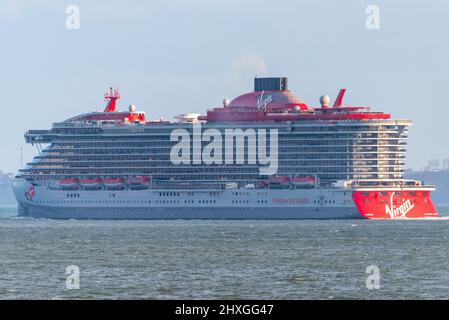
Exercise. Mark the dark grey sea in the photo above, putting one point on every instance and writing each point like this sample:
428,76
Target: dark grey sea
223,259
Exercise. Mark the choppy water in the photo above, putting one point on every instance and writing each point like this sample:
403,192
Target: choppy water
224,259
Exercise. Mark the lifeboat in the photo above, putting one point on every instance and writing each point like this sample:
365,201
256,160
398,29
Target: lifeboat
277,182
232,185
262,184
91,183
308,181
114,183
139,182
69,183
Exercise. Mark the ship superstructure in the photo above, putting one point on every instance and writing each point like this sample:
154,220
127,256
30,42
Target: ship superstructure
265,154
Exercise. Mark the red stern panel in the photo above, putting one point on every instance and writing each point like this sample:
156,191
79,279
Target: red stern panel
395,204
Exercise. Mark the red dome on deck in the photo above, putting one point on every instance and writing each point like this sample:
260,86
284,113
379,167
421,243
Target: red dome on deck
272,99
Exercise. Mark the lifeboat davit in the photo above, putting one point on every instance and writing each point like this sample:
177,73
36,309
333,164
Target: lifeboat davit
139,182
69,183
114,183
91,183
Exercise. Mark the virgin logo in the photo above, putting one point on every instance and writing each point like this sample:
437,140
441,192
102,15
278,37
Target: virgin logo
30,193
263,103
398,212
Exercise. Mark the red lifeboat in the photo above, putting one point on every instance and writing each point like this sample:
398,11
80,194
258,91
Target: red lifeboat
308,181
91,183
279,181
114,183
139,182
69,183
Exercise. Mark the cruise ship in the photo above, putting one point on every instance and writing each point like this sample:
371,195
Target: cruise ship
263,155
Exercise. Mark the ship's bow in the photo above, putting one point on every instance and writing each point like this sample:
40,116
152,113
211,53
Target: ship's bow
413,203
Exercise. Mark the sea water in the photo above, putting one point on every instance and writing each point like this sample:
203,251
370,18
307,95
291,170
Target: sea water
223,259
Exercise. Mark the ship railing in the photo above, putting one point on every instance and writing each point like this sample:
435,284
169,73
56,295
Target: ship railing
37,132
402,183
76,124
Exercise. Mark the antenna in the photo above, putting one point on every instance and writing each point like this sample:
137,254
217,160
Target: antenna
111,97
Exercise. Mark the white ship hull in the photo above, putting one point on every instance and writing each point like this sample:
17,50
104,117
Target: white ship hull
185,204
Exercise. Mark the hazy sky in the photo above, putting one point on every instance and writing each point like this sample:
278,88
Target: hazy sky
176,56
